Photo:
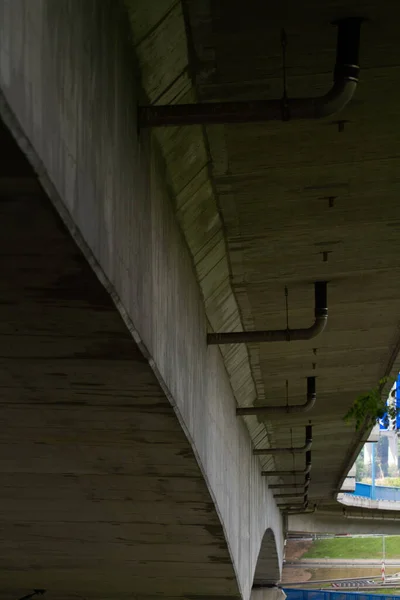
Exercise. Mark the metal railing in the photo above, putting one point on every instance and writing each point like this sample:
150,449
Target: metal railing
377,492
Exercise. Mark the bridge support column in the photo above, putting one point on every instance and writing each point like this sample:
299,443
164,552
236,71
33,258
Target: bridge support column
267,593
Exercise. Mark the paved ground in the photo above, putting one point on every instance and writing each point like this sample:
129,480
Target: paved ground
295,549
301,570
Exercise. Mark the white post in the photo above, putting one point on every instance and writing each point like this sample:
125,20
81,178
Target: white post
383,559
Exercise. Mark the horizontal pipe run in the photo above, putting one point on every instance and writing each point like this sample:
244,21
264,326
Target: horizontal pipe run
297,511
276,486
293,505
299,450
302,506
289,495
346,74
269,411
285,473
302,486
265,451
306,471
281,335
288,450
248,111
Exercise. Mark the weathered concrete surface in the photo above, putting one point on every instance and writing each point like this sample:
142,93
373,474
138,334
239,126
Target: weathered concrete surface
101,493
68,76
159,35
268,594
290,192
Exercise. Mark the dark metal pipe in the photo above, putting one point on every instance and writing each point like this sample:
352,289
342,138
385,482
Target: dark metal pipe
304,471
265,451
289,450
281,335
276,486
295,486
347,49
304,493
305,498
289,495
345,83
280,410
297,511
285,506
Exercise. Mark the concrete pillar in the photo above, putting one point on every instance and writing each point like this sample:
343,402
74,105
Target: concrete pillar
367,454
265,593
392,454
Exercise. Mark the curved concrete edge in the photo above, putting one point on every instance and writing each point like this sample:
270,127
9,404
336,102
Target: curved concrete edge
99,474
268,565
187,159
123,221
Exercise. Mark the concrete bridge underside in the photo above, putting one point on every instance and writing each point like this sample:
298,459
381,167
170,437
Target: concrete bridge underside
125,470
101,492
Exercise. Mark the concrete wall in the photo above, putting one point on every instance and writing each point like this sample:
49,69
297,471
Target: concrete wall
67,73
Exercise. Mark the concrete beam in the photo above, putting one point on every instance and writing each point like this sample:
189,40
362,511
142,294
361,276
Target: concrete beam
381,522
70,104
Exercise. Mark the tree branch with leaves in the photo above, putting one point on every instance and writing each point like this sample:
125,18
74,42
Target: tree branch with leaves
370,406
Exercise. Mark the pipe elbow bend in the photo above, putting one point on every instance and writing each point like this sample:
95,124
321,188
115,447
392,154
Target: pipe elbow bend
336,99
316,328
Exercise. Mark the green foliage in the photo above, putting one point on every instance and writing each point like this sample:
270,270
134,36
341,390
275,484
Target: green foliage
393,472
360,468
392,481
349,547
385,481
370,406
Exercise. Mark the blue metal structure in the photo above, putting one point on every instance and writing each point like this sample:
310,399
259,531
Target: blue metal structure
384,423
398,402
297,594
377,492
373,473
